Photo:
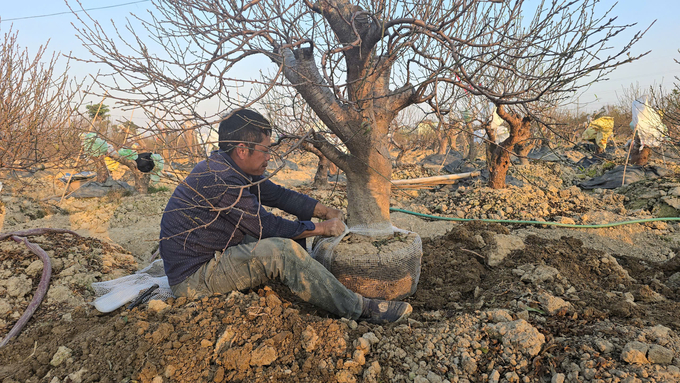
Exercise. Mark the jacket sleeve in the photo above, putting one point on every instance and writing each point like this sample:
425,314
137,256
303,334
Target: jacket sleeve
243,209
290,201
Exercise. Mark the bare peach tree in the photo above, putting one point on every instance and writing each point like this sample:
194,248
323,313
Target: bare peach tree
357,64
38,108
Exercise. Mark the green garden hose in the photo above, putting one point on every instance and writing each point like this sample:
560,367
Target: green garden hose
596,226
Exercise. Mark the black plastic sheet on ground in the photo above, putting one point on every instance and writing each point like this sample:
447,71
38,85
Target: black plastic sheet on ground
96,189
545,153
615,177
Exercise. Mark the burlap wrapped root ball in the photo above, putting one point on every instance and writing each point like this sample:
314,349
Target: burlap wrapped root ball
384,266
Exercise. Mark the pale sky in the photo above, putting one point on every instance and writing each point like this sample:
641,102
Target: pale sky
657,68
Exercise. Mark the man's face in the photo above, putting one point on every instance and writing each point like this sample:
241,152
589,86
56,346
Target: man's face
255,163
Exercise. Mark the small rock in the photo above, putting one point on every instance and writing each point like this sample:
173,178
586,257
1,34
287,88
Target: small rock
371,337
494,376
169,370
310,338
273,301
5,308
634,352
263,356
505,244
552,305
363,345
674,281
519,334
157,305
19,286
433,378
77,377
558,378
604,346
540,274
497,316
345,376
60,356
35,268
660,355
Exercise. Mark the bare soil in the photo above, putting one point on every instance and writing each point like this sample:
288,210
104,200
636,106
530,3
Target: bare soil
616,284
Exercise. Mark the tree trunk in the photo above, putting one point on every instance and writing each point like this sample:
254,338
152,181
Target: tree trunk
473,147
141,179
442,141
522,150
369,195
102,170
639,156
321,176
498,155
498,162
453,141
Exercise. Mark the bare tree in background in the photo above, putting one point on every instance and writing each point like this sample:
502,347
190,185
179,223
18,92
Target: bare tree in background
38,108
357,65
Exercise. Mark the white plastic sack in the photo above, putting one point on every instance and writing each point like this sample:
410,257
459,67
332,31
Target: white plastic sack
502,132
650,129
496,125
117,292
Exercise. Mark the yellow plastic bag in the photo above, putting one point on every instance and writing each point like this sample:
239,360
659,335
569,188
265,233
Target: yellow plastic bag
111,164
599,131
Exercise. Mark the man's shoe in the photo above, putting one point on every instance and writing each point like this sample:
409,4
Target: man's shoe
379,311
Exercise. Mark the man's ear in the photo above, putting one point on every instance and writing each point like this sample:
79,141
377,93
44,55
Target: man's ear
241,151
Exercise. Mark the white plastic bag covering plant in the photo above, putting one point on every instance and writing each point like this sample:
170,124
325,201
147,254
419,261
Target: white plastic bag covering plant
497,126
650,129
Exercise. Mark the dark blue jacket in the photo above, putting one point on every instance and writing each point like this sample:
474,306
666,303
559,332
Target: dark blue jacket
216,206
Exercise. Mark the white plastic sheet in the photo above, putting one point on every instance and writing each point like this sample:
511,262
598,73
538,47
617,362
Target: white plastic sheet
650,129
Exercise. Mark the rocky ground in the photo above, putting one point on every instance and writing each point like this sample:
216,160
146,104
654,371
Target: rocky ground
496,302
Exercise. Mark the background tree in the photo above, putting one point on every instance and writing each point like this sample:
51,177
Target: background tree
97,111
357,65
38,123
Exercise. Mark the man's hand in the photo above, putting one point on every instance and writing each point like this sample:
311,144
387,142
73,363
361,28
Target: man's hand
331,228
334,213
324,212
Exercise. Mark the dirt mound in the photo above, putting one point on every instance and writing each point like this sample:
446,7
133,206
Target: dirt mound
254,337
596,285
76,263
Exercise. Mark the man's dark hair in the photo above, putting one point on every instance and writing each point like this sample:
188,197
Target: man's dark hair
243,126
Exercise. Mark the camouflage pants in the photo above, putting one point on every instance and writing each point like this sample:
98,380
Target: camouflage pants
253,263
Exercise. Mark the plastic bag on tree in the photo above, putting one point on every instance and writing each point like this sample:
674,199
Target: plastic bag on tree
502,132
94,146
111,164
479,136
650,129
158,165
599,130
128,154
390,270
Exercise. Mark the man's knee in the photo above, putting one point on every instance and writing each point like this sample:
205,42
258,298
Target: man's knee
287,246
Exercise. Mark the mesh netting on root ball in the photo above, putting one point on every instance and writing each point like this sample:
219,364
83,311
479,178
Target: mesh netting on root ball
377,261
